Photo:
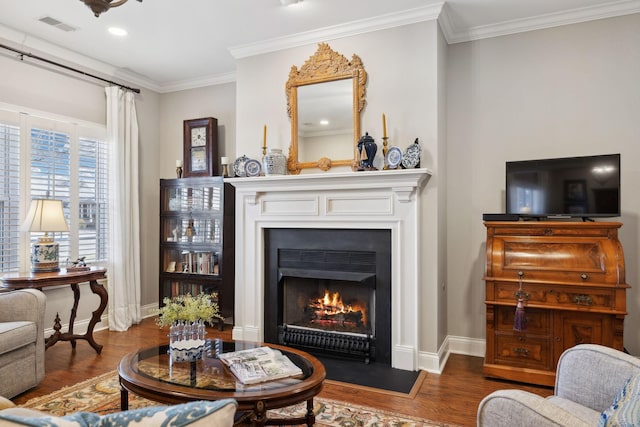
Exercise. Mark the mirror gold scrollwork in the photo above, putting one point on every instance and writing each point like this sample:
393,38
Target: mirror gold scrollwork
324,100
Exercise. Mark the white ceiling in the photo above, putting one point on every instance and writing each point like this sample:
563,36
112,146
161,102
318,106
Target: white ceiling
178,44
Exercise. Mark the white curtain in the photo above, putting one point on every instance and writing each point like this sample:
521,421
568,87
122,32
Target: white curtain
124,239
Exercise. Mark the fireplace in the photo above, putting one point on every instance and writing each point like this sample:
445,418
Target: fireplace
328,291
392,202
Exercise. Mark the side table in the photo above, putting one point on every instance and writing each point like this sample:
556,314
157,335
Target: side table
73,279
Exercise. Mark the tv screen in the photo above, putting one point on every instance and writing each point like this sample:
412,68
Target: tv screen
584,187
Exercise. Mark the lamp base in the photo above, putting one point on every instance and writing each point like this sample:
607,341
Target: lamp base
44,256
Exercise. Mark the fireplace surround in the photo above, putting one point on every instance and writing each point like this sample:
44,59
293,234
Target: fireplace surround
376,200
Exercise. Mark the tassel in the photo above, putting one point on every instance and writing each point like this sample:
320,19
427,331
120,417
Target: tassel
520,320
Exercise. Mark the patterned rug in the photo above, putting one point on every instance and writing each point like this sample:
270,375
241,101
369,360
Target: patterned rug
102,395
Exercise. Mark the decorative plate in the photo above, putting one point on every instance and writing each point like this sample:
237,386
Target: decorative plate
411,157
238,166
394,157
252,167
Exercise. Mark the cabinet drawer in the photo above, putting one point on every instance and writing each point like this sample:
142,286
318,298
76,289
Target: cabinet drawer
523,351
556,259
538,321
574,297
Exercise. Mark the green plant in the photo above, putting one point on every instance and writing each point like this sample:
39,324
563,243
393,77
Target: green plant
188,308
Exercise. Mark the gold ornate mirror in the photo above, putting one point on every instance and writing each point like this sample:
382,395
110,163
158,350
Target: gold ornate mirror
324,101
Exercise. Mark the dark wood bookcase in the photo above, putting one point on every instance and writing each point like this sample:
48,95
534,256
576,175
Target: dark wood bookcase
197,232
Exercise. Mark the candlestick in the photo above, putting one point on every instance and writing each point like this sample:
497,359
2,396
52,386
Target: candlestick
264,141
384,126
385,149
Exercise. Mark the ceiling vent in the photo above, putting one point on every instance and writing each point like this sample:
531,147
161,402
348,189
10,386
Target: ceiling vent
55,23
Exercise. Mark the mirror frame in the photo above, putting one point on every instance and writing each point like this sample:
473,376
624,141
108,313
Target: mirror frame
325,65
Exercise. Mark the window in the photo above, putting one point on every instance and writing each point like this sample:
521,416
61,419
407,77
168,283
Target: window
62,161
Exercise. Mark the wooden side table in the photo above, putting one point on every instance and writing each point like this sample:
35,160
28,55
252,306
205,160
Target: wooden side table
73,279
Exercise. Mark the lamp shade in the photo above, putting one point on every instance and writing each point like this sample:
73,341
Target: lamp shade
45,215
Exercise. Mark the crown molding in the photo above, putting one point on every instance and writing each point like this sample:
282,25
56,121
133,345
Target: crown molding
348,29
54,52
540,22
197,82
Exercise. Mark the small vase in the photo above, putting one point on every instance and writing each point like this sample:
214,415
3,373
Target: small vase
274,162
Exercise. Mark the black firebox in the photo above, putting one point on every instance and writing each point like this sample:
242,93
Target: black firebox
328,291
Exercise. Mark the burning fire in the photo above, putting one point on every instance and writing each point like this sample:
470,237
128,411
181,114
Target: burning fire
331,308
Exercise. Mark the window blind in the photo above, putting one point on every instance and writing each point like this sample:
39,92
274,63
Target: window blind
9,197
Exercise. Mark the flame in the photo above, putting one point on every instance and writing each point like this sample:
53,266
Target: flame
331,304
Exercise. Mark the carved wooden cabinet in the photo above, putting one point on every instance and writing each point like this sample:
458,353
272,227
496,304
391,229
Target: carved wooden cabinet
574,291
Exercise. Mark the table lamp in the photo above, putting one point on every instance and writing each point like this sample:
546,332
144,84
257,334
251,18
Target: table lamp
45,215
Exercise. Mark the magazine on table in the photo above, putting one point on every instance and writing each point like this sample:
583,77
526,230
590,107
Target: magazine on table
256,365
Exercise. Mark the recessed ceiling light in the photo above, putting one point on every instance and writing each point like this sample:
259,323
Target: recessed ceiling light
121,32
324,122
289,2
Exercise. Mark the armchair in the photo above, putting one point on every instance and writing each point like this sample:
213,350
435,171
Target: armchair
588,378
21,340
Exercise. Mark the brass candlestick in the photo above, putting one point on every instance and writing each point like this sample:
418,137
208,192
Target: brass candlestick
385,148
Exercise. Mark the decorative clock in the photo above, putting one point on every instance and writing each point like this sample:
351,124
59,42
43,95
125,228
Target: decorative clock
201,147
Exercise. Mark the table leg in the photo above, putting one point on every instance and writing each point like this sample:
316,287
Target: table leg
311,416
124,398
74,311
99,290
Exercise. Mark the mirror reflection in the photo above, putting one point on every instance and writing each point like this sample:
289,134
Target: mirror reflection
325,121
324,100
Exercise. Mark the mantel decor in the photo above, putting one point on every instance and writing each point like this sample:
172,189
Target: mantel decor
200,147
323,74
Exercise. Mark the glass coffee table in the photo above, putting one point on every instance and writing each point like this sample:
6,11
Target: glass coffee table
150,373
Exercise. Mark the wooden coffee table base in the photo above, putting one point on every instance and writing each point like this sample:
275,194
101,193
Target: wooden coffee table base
253,403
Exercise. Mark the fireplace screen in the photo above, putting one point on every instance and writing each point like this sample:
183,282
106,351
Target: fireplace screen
329,305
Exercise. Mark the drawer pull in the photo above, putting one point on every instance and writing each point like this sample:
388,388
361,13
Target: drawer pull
522,295
584,276
583,300
521,350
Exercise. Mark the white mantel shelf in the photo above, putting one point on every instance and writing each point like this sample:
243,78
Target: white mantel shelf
387,199
401,181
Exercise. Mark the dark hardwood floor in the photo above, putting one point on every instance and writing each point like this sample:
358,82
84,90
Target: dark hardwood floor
451,397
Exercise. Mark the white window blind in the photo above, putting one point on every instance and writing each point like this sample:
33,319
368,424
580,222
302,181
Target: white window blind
9,196
61,160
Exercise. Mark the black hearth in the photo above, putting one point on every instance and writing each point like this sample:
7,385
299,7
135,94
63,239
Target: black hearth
328,291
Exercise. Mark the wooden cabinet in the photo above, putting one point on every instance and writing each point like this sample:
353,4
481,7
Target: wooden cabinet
197,232
574,290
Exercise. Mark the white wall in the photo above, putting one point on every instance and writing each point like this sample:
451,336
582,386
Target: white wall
566,91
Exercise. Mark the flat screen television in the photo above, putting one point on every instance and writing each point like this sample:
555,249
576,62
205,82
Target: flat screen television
580,187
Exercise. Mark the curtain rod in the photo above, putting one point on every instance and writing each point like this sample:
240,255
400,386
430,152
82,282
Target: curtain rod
75,70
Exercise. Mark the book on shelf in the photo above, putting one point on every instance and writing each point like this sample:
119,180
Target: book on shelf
256,365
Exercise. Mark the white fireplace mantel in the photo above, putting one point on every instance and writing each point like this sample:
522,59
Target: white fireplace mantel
354,200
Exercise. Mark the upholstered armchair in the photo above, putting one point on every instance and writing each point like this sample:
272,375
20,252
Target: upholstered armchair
588,379
21,340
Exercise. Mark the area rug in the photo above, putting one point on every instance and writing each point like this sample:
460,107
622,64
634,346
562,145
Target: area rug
102,395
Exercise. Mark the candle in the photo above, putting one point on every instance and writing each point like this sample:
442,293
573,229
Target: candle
178,163
384,125
224,160
264,137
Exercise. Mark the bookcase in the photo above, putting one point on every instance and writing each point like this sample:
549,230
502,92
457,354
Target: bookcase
197,231
573,288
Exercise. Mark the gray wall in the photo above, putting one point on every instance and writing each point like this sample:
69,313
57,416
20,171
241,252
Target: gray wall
566,91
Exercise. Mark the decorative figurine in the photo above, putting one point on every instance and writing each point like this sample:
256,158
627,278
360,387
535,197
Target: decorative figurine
367,149
411,156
